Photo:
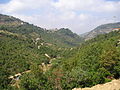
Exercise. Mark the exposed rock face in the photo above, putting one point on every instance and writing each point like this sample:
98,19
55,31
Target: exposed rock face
102,29
114,85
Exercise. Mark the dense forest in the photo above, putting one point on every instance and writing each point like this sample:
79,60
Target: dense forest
32,58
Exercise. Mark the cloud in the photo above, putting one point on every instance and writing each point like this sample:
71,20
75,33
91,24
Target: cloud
22,5
78,15
83,17
87,5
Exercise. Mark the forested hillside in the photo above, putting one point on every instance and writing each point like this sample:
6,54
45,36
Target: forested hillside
32,58
96,61
60,37
24,47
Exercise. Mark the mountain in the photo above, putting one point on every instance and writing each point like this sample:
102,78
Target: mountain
60,37
24,47
96,61
33,58
102,29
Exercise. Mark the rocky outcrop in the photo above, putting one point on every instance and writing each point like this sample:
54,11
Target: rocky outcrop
113,85
102,29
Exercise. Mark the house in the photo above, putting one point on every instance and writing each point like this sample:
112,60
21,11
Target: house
116,29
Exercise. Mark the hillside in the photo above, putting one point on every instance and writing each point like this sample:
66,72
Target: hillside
33,58
102,29
24,47
95,62
61,37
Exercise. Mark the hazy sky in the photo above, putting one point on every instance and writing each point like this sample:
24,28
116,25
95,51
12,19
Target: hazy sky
78,15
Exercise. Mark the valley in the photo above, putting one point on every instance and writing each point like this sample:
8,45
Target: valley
33,58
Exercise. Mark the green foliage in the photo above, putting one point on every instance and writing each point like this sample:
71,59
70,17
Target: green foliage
23,48
62,37
18,55
34,80
96,61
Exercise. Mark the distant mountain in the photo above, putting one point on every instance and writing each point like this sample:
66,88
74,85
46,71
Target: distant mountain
60,37
102,29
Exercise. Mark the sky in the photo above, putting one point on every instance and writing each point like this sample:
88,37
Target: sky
80,16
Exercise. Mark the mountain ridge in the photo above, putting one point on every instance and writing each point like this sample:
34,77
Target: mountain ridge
101,29
61,37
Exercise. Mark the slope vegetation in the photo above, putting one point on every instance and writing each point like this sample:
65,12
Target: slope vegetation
60,37
32,58
95,62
